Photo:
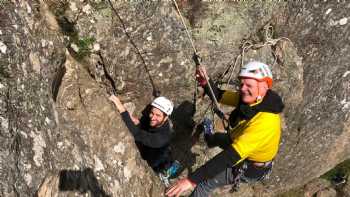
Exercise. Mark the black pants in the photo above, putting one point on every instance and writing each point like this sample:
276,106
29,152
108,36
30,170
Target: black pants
160,160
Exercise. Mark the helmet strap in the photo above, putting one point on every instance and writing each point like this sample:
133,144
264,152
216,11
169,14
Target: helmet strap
259,97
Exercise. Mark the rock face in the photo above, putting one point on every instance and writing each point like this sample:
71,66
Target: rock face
31,54
316,136
346,189
317,186
60,135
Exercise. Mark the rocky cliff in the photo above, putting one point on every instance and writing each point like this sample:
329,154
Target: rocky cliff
60,136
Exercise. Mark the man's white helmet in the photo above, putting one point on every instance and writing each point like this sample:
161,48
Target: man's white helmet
258,71
163,104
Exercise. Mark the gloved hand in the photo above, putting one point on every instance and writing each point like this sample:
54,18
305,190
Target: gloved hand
200,76
208,127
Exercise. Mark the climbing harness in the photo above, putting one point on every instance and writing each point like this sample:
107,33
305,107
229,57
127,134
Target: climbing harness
240,170
156,92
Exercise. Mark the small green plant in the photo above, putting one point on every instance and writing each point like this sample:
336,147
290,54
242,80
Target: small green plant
99,5
107,12
84,45
342,169
102,7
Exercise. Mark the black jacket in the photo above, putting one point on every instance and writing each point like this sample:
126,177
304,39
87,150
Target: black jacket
153,143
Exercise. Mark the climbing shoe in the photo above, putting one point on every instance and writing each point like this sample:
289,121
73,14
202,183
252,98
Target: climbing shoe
173,170
170,173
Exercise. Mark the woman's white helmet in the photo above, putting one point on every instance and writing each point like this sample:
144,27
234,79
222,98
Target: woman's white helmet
258,71
163,104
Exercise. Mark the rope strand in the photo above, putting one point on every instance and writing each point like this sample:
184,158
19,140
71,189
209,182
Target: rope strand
246,46
184,24
196,57
156,92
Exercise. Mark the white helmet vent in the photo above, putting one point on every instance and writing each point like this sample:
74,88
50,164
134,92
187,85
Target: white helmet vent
163,104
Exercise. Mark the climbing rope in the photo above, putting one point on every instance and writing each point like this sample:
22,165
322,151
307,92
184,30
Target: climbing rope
155,92
245,47
184,24
197,62
194,109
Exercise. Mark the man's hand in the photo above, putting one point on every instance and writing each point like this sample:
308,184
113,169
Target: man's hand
117,103
179,187
201,76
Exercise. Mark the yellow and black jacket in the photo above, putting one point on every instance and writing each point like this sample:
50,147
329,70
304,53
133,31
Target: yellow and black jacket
254,133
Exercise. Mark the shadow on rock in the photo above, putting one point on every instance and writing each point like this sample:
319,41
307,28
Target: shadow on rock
183,125
82,181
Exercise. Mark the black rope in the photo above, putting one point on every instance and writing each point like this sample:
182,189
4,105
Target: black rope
196,60
155,92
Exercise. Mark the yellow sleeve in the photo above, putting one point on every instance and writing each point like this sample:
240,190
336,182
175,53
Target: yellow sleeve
230,98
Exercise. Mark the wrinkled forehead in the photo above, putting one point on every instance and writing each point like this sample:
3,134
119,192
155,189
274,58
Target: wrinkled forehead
248,81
